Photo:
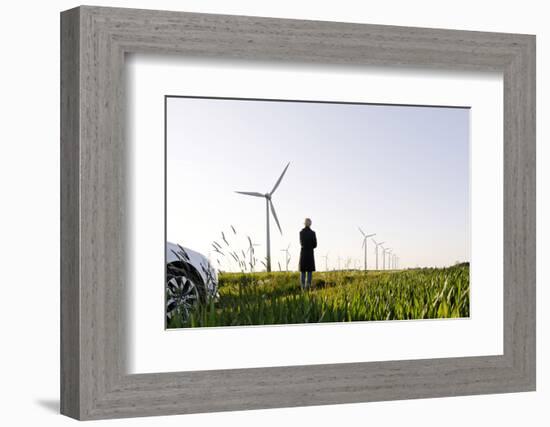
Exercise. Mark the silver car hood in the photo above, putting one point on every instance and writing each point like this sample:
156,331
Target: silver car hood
196,259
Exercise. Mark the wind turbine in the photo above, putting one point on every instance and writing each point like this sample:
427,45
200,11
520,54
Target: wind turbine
388,251
365,237
376,249
287,257
326,261
250,250
268,206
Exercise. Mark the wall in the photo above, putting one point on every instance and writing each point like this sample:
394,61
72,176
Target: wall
29,225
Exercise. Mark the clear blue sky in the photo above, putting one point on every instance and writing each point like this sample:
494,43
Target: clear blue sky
399,171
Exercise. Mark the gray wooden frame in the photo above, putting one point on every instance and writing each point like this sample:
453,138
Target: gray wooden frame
94,382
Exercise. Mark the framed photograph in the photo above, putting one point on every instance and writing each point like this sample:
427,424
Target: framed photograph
364,161
281,213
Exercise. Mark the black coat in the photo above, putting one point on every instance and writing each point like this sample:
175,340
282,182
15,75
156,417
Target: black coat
308,241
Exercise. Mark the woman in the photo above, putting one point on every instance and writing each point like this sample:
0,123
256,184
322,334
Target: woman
308,242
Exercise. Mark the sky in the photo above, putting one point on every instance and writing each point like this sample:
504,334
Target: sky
401,172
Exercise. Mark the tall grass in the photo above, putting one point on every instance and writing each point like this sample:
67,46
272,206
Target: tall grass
337,296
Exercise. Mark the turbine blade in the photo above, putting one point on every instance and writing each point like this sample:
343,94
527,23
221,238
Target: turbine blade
280,179
275,215
362,232
364,240
251,193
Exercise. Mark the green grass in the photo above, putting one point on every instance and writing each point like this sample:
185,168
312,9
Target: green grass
341,296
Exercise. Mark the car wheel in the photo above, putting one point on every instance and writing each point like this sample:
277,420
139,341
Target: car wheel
182,296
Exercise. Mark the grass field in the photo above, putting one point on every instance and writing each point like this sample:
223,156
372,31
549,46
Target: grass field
337,296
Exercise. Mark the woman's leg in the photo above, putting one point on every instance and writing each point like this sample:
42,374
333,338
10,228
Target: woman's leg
309,276
303,279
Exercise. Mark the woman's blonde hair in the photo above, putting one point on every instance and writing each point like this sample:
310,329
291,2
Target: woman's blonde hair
307,222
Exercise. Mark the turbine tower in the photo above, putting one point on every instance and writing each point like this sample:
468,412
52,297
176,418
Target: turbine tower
268,206
365,237
376,249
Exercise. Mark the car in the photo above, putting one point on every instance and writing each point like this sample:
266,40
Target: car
190,280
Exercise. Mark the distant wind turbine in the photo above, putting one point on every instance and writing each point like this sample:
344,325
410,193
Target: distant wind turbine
376,249
268,206
287,256
387,251
326,261
365,237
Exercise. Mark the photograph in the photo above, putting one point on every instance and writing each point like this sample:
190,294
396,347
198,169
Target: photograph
282,212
